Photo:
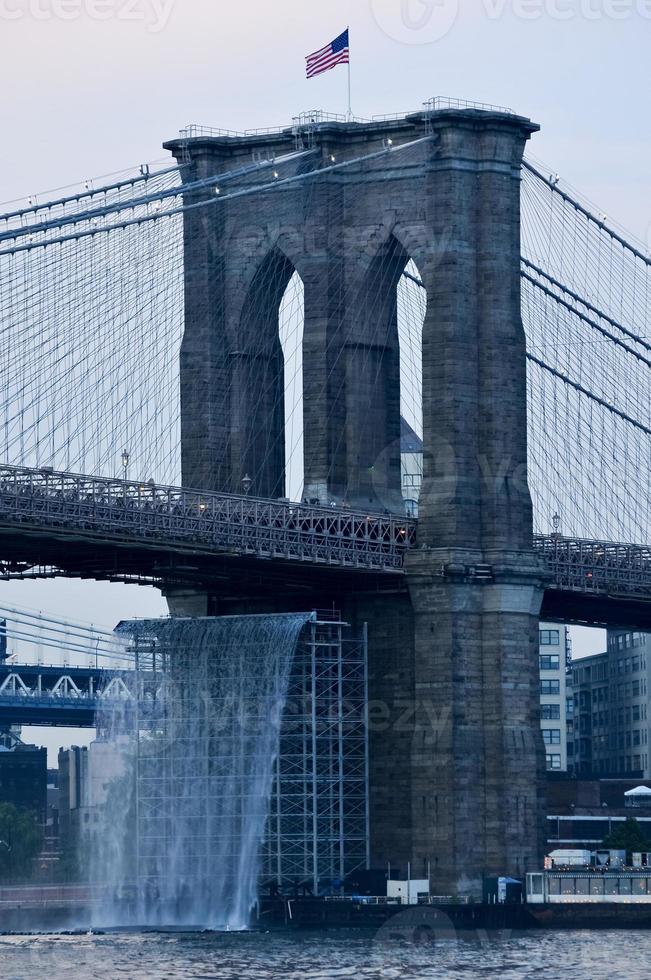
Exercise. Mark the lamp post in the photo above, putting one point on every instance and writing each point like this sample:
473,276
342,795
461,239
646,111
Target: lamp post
556,522
125,462
247,483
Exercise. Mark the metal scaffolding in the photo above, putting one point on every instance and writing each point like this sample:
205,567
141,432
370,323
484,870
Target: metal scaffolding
198,715
318,828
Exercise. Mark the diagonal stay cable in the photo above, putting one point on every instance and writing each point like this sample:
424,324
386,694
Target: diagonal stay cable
586,319
584,302
589,394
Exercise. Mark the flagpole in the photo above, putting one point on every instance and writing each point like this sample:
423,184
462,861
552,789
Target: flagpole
350,104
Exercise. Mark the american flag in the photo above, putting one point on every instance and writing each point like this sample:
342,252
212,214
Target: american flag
335,53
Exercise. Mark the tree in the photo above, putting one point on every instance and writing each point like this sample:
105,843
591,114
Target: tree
629,836
21,839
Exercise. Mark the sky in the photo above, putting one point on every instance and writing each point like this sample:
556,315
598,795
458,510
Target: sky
91,87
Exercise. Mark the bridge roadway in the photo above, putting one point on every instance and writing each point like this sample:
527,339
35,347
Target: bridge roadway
56,523
31,694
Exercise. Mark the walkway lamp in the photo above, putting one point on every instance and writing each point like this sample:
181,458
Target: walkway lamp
125,462
247,483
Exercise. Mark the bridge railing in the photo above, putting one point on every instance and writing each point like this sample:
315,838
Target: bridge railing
601,567
206,521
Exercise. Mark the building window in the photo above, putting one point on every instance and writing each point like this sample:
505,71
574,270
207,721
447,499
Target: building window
550,662
551,712
550,687
550,638
552,736
553,761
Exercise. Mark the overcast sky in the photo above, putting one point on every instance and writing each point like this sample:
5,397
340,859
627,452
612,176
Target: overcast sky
93,86
84,96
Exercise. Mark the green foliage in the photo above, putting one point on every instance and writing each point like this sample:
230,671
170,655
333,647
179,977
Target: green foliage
630,837
21,840
68,867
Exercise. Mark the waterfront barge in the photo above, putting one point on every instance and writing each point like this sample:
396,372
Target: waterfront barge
590,897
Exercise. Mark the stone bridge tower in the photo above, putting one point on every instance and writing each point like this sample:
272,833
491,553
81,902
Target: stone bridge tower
456,763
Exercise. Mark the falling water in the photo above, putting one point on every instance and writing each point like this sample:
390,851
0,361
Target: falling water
177,841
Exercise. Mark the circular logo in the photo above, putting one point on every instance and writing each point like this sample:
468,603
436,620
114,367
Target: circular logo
406,941
415,21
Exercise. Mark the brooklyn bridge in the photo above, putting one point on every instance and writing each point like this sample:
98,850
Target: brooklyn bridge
206,369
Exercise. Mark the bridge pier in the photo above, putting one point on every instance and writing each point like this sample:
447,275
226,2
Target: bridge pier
476,585
476,752
456,751
187,603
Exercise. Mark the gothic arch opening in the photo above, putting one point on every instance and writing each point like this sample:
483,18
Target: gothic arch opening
411,310
389,373
291,326
258,456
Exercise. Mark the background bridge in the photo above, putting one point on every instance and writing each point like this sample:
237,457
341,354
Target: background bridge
62,696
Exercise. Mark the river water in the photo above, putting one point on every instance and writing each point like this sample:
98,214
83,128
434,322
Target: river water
363,955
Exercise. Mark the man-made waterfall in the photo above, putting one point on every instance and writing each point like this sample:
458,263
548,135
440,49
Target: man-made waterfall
178,840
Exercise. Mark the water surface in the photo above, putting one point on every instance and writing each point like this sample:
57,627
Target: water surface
578,955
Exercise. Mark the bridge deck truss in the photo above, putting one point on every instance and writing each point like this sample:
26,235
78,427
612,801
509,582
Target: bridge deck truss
169,516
